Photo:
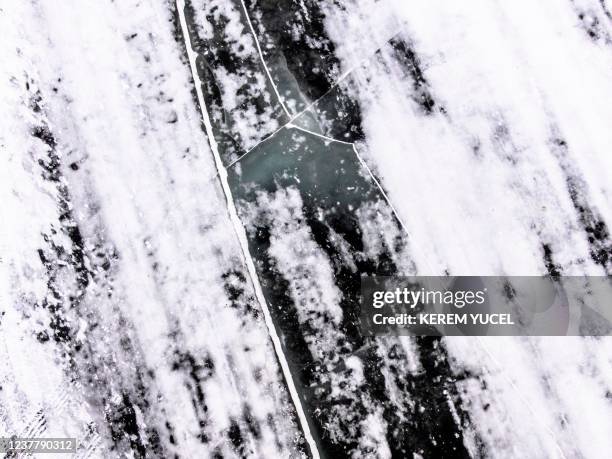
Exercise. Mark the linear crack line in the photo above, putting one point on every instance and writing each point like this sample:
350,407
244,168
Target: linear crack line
316,134
280,100
242,238
365,166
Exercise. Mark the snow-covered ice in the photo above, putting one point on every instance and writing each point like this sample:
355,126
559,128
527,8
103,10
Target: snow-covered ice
191,190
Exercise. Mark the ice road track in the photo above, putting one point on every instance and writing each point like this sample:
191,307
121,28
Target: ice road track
191,189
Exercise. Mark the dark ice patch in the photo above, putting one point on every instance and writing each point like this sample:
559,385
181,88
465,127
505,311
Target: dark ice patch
592,222
332,184
407,57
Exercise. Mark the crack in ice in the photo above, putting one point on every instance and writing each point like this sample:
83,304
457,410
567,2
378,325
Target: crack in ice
365,166
329,139
263,61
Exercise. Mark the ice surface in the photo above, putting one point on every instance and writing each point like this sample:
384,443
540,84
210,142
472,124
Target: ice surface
359,137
